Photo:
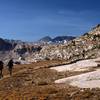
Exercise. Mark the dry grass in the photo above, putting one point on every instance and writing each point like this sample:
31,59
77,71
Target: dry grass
36,82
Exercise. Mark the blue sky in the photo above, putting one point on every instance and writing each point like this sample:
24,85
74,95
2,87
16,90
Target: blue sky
29,20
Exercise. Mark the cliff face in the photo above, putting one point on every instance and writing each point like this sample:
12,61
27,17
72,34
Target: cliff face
5,46
16,49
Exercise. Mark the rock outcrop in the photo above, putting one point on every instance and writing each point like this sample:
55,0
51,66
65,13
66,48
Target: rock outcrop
83,47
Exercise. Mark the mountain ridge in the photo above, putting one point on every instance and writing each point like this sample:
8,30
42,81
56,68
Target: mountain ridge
57,39
83,47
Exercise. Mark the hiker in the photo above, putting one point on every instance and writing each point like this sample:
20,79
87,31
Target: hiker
83,54
10,66
1,68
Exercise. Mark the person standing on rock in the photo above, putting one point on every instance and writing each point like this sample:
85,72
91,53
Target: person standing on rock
1,68
10,66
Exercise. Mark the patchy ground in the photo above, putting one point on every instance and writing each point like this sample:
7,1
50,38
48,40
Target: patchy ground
86,80
82,65
36,82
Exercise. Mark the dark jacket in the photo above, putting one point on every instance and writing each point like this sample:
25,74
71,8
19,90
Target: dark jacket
10,64
1,65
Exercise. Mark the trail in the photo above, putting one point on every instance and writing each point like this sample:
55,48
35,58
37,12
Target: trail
8,75
20,71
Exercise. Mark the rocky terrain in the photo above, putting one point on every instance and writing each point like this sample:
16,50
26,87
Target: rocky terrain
24,52
83,47
17,49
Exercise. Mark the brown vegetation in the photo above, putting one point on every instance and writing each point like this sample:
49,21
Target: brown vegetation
36,82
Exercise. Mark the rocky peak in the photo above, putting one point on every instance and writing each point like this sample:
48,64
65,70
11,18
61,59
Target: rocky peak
45,39
95,30
97,26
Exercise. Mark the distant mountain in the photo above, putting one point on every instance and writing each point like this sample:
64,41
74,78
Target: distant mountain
58,39
62,38
45,39
4,45
14,41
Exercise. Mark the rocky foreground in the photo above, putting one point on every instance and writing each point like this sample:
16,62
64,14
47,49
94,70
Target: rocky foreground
38,81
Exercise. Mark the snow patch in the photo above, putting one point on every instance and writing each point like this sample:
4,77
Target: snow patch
78,66
87,80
